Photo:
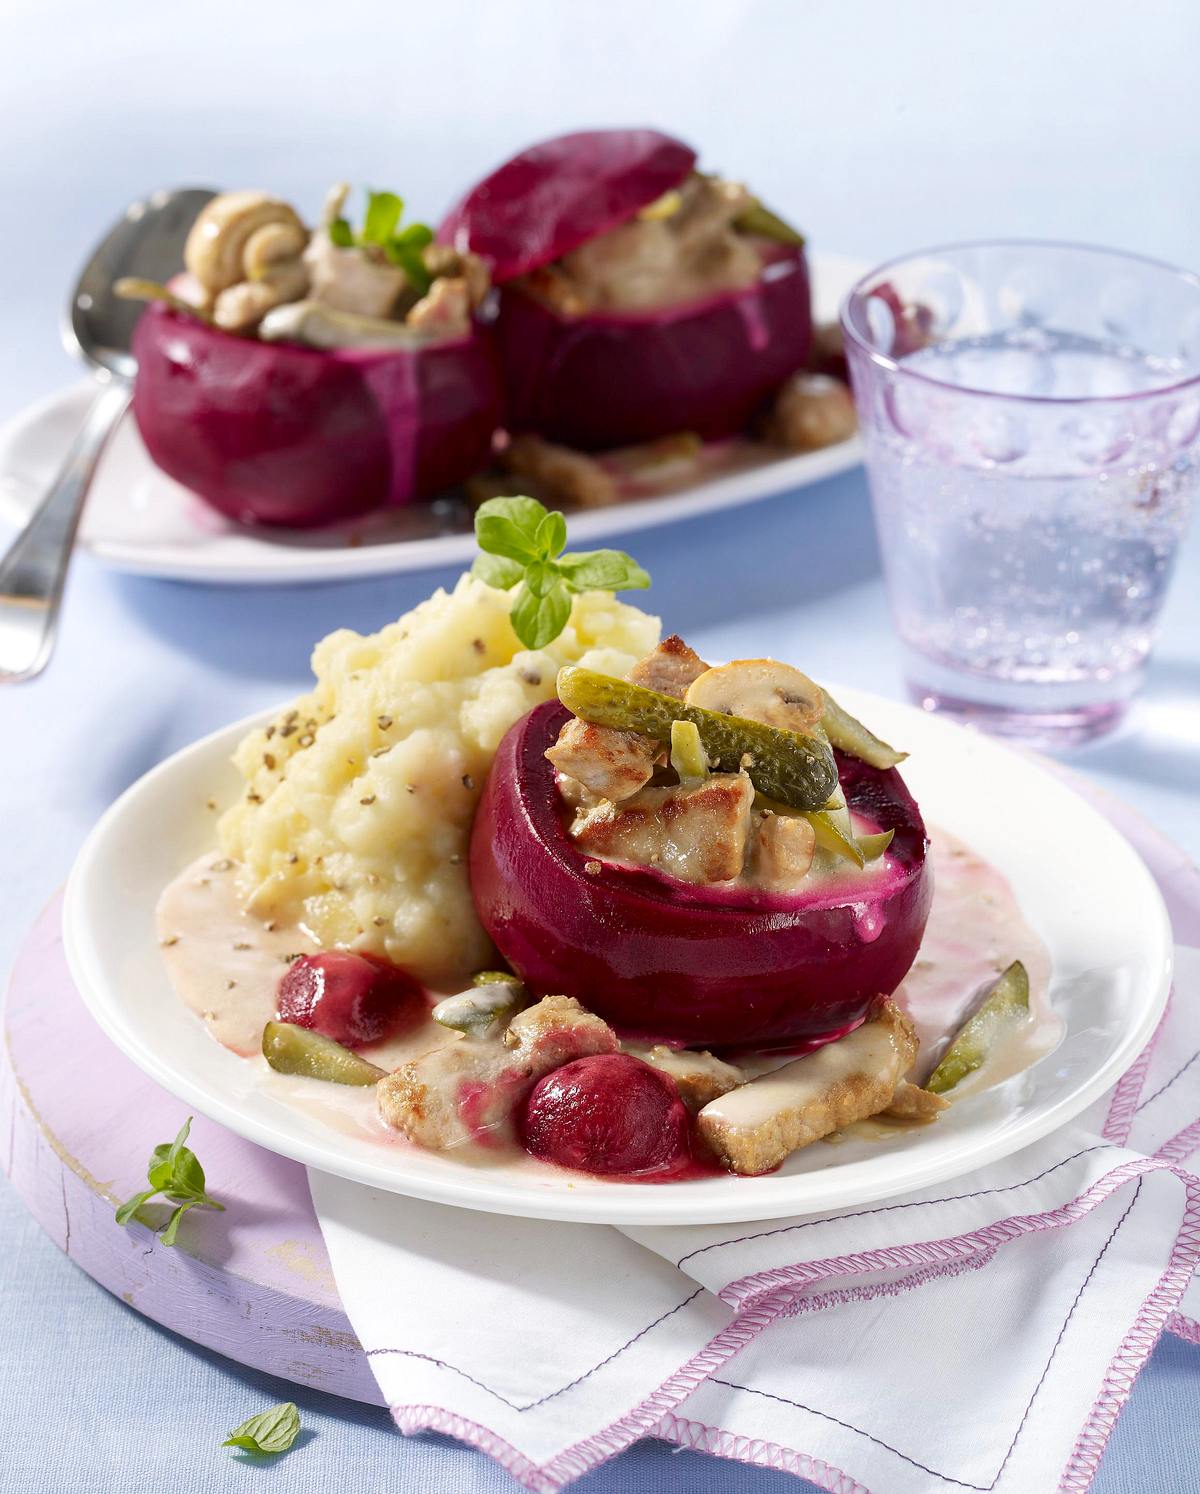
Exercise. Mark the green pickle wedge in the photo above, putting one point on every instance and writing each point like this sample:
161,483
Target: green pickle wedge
298,1050
1005,1008
797,770
848,734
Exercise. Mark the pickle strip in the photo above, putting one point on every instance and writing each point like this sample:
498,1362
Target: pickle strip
849,735
797,770
290,1049
1005,1006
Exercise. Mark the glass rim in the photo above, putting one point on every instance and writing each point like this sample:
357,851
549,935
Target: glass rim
897,366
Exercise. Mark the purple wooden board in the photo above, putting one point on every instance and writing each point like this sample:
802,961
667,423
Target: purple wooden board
254,1282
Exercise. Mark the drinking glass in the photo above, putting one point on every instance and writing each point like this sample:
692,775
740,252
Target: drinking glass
1031,414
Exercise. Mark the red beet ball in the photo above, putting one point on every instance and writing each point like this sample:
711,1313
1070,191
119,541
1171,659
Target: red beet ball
610,1113
353,998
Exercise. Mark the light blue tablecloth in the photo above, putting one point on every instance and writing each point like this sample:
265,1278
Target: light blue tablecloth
877,128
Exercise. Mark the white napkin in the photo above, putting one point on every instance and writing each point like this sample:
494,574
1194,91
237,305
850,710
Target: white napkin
981,1335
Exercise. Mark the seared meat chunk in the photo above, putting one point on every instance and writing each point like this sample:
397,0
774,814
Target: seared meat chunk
444,308
753,1128
912,1103
567,473
695,832
699,1077
352,279
784,846
615,764
670,669
468,1089
612,764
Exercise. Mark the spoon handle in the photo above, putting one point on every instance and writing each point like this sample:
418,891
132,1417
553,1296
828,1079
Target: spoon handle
33,571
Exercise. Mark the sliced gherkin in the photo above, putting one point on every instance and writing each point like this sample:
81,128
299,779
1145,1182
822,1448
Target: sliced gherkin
760,220
1005,1008
494,978
873,846
485,1010
797,770
831,836
298,1050
687,753
849,735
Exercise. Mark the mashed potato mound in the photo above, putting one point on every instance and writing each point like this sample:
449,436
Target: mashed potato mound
359,798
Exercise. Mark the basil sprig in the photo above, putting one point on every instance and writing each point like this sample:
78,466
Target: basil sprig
524,542
381,228
271,1431
174,1171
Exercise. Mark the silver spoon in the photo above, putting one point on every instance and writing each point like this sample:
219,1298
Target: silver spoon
148,243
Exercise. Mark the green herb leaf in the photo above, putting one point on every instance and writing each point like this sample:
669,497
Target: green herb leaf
172,1229
603,570
541,577
131,1205
341,233
523,542
551,535
509,526
174,1171
494,570
382,216
271,1431
538,621
416,235
409,259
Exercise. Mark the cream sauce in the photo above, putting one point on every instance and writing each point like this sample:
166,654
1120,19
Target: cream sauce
226,964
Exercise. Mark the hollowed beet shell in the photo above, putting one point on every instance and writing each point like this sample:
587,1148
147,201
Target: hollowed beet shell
612,379
276,433
553,196
697,965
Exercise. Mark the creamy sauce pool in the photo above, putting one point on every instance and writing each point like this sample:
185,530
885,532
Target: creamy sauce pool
225,966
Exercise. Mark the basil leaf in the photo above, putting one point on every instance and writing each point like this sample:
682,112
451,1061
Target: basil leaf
131,1205
409,259
509,526
382,216
603,570
177,1146
341,233
271,1431
552,534
172,1229
541,576
174,1171
187,1181
418,235
538,621
494,570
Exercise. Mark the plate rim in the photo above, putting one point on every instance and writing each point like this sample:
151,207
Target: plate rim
601,1206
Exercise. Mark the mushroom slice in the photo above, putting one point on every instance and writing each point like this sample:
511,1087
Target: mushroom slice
215,252
760,690
754,1127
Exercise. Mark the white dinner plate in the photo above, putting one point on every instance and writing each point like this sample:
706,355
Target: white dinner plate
1079,883
139,520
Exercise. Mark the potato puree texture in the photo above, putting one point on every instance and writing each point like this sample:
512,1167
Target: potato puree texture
359,797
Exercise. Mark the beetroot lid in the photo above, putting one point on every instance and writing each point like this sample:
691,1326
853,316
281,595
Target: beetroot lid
554,196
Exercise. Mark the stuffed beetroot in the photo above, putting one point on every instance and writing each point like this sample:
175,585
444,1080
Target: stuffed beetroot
669,938
638,297
298,377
